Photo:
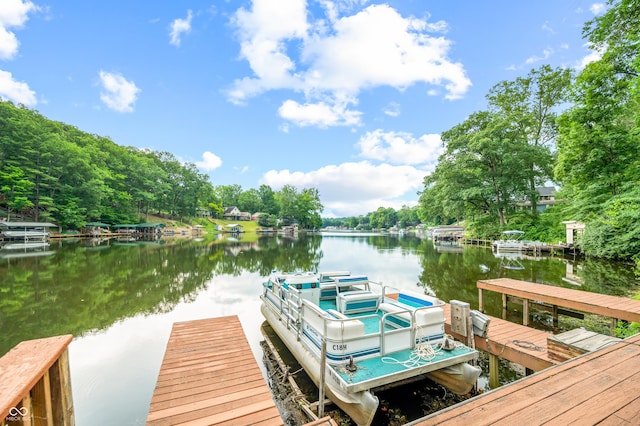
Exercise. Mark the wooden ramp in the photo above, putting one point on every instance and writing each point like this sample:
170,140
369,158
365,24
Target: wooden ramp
209,376
621,308
517,343
600,387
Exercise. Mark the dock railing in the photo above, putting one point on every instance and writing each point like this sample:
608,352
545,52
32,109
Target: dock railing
35,384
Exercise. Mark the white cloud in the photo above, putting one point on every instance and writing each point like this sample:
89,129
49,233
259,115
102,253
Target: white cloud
319,114
546,53
392,109
598,8
546,27
118,93
400,147
594,55
179,27
354,188
16,91
13,14
332,61
209,162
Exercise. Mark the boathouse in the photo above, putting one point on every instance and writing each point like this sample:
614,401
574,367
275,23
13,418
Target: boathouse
233,228
25,231
97,228
447,233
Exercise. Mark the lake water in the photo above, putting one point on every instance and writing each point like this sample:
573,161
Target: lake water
119,300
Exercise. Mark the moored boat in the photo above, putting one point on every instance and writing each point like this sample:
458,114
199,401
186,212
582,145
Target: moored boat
364,335
511,241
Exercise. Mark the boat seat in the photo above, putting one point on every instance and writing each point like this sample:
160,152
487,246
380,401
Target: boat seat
342,330
328,290
351,302
402,318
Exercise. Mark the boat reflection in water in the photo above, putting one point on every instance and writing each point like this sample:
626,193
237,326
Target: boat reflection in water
364,336
15,250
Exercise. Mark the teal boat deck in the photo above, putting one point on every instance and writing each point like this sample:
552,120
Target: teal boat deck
371,320
395,366
398,366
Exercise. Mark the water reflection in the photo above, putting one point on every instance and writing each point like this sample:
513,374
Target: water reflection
120,299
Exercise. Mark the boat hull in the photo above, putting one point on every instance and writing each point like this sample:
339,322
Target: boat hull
360,406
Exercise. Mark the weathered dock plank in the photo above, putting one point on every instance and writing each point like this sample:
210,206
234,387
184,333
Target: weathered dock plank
209,376
595,388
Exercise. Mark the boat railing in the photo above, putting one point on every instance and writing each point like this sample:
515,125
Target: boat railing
389,337
316,318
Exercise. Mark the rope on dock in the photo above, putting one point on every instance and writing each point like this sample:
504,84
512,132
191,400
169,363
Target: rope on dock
524,344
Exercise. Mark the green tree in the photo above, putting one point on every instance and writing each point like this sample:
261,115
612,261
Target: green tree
267,220
408,216
287,201
228,194
308,209
250,201
599,144
14,188
529,104
481,171
268,199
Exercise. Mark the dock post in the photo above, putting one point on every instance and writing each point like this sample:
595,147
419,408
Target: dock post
480,303
525,311
323,366
494,371
505,298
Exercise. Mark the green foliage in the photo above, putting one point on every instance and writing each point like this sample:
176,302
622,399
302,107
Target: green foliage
599,145
615,233
381,218
267,220
626,329
53,171
289,205
495,159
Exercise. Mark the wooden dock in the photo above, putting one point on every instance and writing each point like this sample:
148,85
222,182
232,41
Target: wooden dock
618,308
600,387
209,376
517,343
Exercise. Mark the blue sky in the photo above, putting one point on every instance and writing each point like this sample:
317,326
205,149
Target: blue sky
348,96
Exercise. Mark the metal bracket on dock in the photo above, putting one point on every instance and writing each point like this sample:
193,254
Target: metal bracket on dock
480,323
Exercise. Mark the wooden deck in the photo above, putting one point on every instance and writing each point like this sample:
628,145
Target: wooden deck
523,345
621,308
600,387
209,376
